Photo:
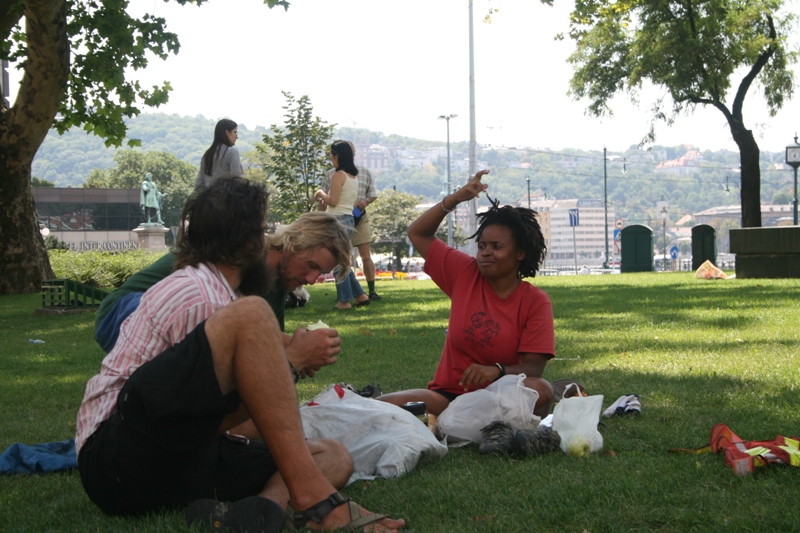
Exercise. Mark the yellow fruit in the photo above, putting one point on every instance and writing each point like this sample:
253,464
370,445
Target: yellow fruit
579,448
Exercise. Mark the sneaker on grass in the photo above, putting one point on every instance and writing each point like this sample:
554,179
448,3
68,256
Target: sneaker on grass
496,438
539,441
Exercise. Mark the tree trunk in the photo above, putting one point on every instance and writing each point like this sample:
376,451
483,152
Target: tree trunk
749,155
23,127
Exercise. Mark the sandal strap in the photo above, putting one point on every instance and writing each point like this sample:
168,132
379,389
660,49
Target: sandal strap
358,520
319,510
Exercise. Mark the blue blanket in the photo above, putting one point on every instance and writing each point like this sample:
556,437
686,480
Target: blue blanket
39,458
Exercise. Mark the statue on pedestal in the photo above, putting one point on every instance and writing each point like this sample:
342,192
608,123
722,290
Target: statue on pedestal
150,199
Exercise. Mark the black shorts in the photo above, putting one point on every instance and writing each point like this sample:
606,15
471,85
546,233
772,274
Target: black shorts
161,449
449,395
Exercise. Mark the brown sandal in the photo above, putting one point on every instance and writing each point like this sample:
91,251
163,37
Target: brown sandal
318,511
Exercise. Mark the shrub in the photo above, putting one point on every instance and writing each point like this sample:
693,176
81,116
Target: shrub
100,269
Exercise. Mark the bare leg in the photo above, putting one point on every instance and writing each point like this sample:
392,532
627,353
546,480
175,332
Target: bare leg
247,347
435,403
366,261
545,390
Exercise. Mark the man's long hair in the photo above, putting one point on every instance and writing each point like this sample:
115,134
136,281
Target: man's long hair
524,229
314,230
224,224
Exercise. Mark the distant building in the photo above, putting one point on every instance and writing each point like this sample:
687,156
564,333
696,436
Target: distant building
588,239
686,164
90,219
771,214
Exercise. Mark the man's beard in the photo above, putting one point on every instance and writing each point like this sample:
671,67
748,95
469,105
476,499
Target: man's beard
257,278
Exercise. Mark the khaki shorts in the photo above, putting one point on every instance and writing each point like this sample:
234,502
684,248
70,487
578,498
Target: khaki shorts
363,233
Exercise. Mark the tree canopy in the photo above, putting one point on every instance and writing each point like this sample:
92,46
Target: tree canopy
174,177
77,56
295,158
699,52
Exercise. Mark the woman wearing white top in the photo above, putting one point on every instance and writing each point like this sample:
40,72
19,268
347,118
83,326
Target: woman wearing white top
222,159
339,201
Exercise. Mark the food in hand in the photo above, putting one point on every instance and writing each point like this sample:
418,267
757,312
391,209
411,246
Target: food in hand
317,325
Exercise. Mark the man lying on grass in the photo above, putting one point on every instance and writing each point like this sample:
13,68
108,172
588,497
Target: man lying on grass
195,360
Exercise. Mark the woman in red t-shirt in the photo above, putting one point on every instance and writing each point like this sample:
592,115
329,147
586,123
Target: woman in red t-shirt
499,324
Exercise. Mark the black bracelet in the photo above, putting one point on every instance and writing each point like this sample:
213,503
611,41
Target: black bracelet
295,373
502,368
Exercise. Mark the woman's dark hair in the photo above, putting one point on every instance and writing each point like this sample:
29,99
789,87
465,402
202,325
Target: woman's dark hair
220,138
524,229
223,223
344,154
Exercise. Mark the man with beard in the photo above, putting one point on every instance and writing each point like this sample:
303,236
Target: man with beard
292,260
197,358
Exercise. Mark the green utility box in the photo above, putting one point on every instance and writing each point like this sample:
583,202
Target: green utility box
772,252
704,245
637,249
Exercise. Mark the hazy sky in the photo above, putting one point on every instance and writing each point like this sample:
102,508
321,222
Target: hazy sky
395,65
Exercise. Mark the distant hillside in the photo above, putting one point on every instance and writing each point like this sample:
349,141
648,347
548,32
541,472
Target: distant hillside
637,179
67,160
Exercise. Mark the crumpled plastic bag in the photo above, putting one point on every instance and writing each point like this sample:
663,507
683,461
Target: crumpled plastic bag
575,420
383,439
507,399
708,271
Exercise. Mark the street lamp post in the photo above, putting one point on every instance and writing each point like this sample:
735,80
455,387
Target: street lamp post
793,160
529,191
605,203
449,215
664,235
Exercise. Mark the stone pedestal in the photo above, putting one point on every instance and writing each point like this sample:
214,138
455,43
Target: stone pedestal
151,237
767,252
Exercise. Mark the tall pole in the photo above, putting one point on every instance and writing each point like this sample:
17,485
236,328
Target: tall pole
664,237
605,203
529,191
793,160
473,143
795,194
447,188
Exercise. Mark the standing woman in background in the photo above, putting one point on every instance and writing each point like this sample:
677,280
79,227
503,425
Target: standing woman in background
339,201
222,159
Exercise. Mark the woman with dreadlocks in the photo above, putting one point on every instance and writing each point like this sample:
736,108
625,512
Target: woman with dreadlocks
499,324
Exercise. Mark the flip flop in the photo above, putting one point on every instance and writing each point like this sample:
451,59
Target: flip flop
318,511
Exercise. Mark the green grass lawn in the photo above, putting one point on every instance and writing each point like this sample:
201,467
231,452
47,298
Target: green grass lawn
697,352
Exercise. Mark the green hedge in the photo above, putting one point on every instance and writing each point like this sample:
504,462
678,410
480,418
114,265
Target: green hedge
105,270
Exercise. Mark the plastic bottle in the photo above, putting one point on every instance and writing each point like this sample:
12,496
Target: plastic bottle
35,341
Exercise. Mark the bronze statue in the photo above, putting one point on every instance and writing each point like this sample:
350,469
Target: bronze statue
150,199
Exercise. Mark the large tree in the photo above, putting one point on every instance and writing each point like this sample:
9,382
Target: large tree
389,219
700,52
295,158
75,56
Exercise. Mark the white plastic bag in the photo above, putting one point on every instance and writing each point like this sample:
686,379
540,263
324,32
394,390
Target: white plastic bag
383,439
575,419
507,399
